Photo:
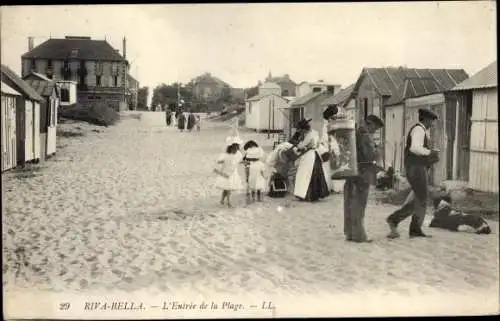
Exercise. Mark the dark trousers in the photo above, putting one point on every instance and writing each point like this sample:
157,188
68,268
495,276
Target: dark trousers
415,207
355,198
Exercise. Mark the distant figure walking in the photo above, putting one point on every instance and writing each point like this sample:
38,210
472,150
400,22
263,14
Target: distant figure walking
168,116
198,123
181,121
228,179
191,121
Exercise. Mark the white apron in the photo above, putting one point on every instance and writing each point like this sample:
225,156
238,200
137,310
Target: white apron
306,163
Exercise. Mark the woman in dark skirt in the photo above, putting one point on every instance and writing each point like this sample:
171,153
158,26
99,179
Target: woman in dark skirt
191,121
181,121
169,116
310,181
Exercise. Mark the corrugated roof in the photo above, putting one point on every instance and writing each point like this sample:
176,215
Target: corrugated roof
6,89
400,83
260,96
302,100
44,88
20,85
79,48
485,78
340,98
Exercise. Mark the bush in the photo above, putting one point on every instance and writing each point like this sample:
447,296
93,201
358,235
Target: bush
97,114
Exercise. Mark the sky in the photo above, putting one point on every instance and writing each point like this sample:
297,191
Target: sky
242,43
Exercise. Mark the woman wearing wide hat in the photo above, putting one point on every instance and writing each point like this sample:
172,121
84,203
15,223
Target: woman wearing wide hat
310,180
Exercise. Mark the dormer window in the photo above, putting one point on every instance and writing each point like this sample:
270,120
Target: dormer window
74,53
33,64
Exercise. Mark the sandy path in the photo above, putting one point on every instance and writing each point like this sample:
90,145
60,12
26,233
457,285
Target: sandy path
133,207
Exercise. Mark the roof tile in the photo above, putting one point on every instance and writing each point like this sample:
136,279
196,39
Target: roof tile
62,49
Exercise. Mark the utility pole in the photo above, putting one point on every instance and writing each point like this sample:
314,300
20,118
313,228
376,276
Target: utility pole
136,87
269,122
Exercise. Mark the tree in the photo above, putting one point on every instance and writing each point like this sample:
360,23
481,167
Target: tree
142,98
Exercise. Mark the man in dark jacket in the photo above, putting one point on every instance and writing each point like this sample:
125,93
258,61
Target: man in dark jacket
356,189
418,157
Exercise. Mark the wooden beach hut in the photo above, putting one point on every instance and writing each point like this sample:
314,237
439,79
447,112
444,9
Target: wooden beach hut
48,114
8,123
263,112
476,135
27,117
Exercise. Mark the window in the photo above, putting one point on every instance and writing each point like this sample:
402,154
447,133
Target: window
33,64
316,89
284,93
74,53
250,107
65,95
115,81
98,81
49,63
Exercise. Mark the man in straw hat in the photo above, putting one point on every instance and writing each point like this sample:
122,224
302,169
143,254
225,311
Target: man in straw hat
418,158
356,189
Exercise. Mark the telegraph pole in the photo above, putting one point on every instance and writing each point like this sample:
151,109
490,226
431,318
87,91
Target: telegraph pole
269,122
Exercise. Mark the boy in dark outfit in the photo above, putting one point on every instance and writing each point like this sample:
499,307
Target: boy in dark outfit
447,218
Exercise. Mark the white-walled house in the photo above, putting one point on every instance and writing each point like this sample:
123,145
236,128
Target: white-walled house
269,88
306,87
264,112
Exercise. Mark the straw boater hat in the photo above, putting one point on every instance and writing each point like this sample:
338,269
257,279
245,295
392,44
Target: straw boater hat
303,123
255,153
375,120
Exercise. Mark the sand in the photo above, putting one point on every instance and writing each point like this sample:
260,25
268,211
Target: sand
132,208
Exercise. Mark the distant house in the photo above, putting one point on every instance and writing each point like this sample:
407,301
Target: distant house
310,107
287,85
264,112
132,92
27,117
344,100
98,69
48,114
305,87
475,149
8,124
209,88
384,92
269,88
237,94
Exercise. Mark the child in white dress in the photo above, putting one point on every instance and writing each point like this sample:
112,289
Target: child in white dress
257,173
228,179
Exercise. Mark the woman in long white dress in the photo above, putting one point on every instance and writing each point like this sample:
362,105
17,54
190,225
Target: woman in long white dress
310,180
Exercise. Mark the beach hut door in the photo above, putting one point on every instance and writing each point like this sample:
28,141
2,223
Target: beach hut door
29,130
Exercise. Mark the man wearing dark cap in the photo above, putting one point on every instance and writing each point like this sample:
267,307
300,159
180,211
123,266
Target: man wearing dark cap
356,189
418,158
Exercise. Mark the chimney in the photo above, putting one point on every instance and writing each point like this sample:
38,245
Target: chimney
124,47
31,41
